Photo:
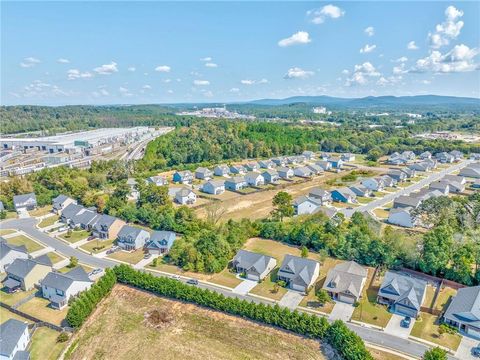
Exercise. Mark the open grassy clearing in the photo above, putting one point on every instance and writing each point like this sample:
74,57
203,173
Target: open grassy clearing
23,240
11,215
13,298
75,235
126,256
44,345
365,200
6,231
381,213
49,221
189,331
96,246
41,211
427,328
39,307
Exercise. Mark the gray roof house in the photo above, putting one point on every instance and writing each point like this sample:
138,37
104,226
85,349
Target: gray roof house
157,180
236,183
345,282
25,202
266,164
221,170
285,172
423,166
302,171
464,311
397,175
132,238
406,201
183,177
270,176
445,157
160,242
254,179
8,253
59,288
470,171
299,273
361,190
458,155
69,212
404,294
255,266
107,227
252,166
308,154
425,155
324,164
14,339
237,169
388,180
324,196
26,273
304,205
441,186
61,202
315,169
203,173
280,161
409,172
214,187
84,219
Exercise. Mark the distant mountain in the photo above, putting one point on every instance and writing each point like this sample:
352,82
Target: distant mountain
371,101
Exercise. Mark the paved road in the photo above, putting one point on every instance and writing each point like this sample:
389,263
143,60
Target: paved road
370,335
405,191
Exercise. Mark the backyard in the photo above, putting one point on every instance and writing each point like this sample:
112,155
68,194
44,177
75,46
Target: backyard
44,345
40,308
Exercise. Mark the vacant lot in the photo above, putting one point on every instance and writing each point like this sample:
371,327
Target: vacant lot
23,240
185,331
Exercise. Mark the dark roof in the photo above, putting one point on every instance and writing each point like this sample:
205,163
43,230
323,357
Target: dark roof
20,199
5,248
22,267
71,210
22,355
104,220
347,276
465,306
407,200
62,282
215,183
397,286
130,232
60,199
236,180
161,239
249,260
10,333
299,270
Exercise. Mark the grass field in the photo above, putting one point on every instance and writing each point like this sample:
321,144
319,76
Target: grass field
189,332
23,240
427,328
430,293
12,299
5,315
75,236
44,345
6,232
39,308
41,211
129,257
381,213
48,221
97,246
67,269
54,257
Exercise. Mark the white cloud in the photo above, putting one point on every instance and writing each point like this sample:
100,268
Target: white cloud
458,59
166,81
301,37
201,82
447,30
63,61
211,65
29,62
206,59
234,90
367,49
345,72
361,74
370,31
146,87
247,82
318,16
400,69
74,74
391,80
101,92
132,68
297,73
263,81
163,68
170,91
412,46
124,91
426,82
401,59
106,69
208,94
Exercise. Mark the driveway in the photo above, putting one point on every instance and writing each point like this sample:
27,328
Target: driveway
245,286
393,327
341,311
291,299
144,262
464,350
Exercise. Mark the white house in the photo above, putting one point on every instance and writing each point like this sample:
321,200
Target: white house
59,288
305,205
321,195
14,339
374,184
255,266
132,238
214,187
254,179
8,253
402,217
185,196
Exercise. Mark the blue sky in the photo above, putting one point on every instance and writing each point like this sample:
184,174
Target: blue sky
57,53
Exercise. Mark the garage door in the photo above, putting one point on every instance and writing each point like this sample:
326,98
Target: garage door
345,298
474,332
297,287
405,311
253,277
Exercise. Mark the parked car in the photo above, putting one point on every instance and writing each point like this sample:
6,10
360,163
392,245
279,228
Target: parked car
176,277
63,228
192,281
476,351
95,272
405,323
113,249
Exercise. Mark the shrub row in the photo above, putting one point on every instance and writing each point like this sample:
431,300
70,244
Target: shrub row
83,305
345,341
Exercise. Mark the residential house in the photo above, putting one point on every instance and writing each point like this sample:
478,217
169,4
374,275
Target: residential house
329,212
456,183
432,162
344,195
132,238
255,266
237,169
470,171
420,166
59,288
404,294
266,164
303,171
107,227
61,202
160,242
457,155
14,339
300,159
337,163
25,202
396,159
8,253
388,181
221,170
374,184
474,156
425,194
325,165
308,154
270,176
69,212
455,178
315,169
408,155
321,195
157,180
425,155
279,161
85,219
409,172
298,273
397,175
348,157
445,158
476,184
236,183
406,201
345,282
214,187
463,312
183,177
134,193
24,274
203,173
441,186
402,216
185,197
254,179
252,166
292,160
285,173
325,156
361,190
305,205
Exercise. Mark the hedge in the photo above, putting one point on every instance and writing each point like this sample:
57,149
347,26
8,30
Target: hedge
345,341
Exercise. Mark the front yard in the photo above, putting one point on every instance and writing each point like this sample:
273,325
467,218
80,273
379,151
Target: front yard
427,328
128,257
96,246
268,289
41,211
23,240
49,221
54,257
75,235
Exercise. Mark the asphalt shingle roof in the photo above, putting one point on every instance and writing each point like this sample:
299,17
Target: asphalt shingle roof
10,333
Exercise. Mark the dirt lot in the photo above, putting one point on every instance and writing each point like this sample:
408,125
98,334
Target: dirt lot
123,327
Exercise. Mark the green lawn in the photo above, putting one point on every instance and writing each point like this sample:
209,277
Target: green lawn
364,200
75,236
430,293
267,287
311,299
41,211
12,299
427,328
44,345
23,240
225,278
11,215
48,221
129,257
97,246
67,269
381,213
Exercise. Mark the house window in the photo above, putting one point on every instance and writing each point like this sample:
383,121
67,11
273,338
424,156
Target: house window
59,292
